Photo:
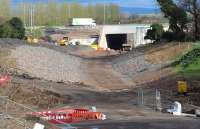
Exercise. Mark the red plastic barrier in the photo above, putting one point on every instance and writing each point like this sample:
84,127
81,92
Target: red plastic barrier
4,79
63,116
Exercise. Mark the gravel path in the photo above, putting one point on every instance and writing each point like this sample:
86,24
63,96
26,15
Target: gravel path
47,64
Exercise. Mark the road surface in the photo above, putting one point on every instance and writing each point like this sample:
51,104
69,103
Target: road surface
165,123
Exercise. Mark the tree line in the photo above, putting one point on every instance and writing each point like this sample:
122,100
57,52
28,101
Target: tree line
53,13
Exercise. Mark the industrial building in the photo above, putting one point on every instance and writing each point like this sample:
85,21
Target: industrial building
110,36
114,36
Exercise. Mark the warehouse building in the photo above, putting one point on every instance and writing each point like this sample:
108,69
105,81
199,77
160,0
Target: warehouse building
115,36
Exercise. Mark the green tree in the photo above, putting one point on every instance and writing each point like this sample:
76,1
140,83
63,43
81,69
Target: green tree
14,28
18,27
176,15
155,33
6,31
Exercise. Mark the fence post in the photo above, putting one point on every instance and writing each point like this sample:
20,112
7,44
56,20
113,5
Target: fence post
24,124
158,101
6,113
140,97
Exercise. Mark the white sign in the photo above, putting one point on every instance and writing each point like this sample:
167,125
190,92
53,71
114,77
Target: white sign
38,126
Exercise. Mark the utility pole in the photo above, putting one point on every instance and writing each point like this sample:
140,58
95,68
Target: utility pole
31,17
69,13
104,13
119,14
24,7
69,10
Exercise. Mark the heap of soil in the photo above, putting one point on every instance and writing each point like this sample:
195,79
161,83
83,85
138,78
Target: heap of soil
34,97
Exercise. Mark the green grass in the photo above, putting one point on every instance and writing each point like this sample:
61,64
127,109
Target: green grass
193,67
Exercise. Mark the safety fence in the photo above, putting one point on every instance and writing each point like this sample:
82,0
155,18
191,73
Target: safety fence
161,99
151,99
14,116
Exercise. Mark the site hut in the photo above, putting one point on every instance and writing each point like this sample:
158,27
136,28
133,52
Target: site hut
117,36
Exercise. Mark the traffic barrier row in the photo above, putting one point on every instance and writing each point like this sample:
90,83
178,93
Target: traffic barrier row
68,115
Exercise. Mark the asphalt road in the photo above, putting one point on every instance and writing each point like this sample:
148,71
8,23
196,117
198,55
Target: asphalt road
169,123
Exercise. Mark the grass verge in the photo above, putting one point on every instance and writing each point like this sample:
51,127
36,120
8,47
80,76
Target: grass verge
188,65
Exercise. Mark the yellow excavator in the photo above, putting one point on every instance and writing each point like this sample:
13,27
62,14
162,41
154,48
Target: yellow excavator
30,39
64,41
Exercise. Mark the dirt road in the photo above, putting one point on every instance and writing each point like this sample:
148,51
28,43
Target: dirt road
159,123
100,74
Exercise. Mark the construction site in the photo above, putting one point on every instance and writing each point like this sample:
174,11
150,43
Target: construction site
122,85
87,75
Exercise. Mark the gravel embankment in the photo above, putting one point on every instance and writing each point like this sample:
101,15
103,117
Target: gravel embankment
132,63
48,64
10,43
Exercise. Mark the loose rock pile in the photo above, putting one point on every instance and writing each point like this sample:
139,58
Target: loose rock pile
47,64
131,63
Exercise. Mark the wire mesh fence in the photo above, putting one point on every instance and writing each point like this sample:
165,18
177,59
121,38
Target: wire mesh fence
162,99
151,99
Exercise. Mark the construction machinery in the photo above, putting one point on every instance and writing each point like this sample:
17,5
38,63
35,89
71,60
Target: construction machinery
94,46
64,41
30,39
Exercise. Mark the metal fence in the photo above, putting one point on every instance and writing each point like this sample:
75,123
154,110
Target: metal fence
150,99
161,100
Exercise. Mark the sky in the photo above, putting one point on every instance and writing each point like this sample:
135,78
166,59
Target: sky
122,3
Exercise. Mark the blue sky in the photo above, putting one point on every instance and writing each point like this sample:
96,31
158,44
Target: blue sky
122,3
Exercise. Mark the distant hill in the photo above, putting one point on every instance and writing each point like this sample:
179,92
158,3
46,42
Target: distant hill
134,10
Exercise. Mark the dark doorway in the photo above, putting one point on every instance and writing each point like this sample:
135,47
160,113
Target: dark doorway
115,41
